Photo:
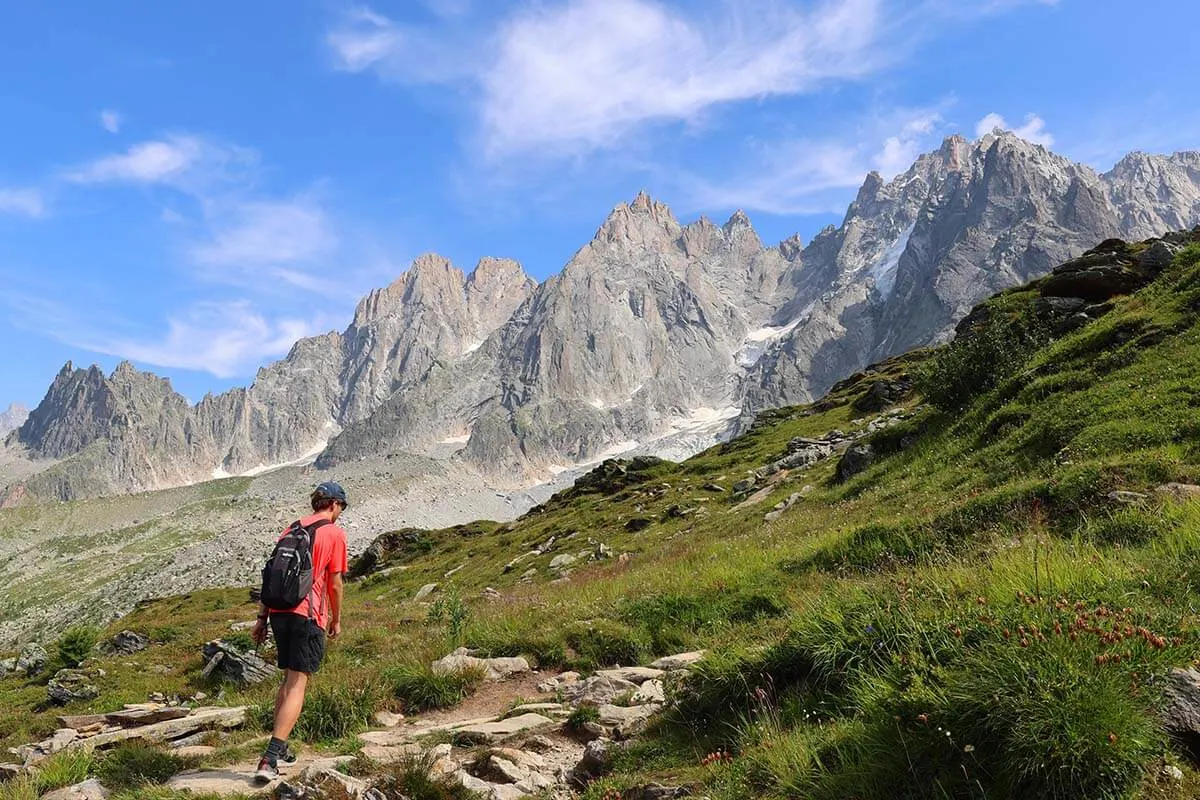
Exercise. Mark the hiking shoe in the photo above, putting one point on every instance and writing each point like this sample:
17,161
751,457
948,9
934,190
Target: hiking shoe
288,756
267,771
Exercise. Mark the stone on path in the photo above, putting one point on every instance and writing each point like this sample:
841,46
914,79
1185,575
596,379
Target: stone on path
88,790
636,675
625,721
195,751
215,781
680,661
491,732
651,692
494,669
598,689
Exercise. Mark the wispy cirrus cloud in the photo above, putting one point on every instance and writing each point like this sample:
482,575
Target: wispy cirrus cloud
803,175
582,75
225,338
185,161
289,240
23,202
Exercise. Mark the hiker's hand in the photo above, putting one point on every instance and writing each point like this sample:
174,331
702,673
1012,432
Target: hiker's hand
335,629
259,634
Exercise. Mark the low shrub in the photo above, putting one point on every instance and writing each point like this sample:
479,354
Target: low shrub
582,715
419,688
75,644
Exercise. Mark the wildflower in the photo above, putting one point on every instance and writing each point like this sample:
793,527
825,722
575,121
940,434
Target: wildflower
970,748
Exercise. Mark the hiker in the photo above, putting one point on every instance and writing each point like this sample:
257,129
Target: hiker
300,627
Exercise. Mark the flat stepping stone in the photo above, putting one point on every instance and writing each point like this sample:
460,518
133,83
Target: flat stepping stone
680,661
217,781
537,708
490,732
638,675
390,754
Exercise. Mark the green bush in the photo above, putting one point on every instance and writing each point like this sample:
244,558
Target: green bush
979,360
582,715
419,688
239,640
334,712
135,764
75,645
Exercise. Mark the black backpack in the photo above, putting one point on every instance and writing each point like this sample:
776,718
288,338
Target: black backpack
287,577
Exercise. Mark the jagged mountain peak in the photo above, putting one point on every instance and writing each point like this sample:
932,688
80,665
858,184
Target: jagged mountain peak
649,325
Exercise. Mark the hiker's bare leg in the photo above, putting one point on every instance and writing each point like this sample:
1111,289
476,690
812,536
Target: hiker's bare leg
289,702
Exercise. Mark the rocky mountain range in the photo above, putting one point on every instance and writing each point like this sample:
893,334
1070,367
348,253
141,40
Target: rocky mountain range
654,330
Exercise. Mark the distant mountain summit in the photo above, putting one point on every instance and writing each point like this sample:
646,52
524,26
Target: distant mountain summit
653,331
12,418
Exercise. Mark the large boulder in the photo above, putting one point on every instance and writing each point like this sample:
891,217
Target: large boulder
31,660
493,669
855,460
74,685
1181,709
244,669
883,394
127,643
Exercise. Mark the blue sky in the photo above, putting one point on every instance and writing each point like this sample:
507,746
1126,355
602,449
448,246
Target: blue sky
193,186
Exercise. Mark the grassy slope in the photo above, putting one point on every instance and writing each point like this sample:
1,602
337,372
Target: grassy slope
971,617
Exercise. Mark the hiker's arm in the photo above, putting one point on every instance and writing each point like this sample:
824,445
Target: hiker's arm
335,605
259,634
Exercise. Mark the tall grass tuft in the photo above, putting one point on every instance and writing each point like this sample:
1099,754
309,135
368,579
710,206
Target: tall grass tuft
419,688
337,711
135,765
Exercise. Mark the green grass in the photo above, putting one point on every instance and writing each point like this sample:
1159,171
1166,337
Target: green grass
941,625
136,765
418,688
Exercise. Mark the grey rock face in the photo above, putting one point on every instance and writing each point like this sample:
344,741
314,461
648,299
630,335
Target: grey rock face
12,418
653,331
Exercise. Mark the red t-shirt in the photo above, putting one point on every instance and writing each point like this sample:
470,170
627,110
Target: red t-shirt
329,559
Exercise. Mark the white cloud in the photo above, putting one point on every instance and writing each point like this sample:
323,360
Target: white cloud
223,338
406,53
110,120
1034,129
27,202
266,233
583,74
804,175
184,161
146,162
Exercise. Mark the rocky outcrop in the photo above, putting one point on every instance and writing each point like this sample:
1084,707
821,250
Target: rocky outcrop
12,418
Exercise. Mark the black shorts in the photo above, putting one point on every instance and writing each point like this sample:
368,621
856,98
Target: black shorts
299,642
